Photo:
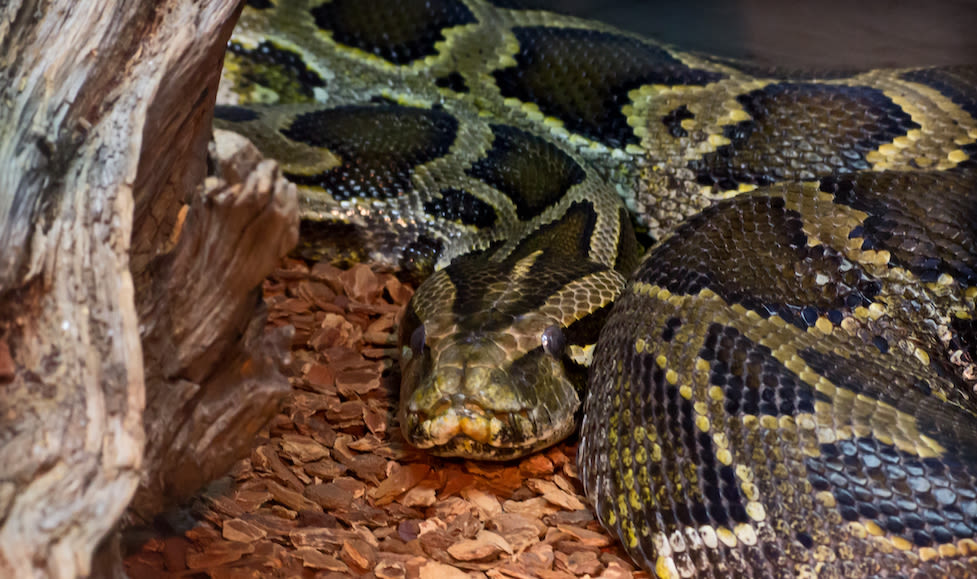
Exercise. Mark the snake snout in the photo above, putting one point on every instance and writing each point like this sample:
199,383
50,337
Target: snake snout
477,403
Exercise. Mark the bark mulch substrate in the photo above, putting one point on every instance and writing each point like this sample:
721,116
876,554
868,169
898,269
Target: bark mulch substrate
332,489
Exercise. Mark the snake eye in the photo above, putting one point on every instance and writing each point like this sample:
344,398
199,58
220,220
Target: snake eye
554,341
417,339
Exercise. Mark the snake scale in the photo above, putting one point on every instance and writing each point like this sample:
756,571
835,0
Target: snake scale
782,386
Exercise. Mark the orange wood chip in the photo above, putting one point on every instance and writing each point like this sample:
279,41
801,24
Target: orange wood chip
332,489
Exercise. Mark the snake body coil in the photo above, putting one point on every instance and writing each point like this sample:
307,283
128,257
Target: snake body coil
783,387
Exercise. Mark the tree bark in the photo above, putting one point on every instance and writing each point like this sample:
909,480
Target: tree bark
128,301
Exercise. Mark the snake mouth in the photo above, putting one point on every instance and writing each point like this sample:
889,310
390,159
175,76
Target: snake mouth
471,431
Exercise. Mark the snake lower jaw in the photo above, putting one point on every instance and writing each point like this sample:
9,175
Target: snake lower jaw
479,434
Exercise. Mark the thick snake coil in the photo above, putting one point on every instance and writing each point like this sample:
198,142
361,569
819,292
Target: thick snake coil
783,387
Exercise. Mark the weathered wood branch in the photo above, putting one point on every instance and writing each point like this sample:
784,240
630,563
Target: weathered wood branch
104,118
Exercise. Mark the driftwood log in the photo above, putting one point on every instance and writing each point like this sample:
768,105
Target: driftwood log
133,362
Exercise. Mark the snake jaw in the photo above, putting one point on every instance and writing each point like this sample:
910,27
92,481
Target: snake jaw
469,399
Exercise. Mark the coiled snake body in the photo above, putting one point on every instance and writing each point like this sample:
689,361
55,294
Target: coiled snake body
783,387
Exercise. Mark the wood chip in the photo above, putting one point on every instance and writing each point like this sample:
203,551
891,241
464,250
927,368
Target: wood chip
552,493
329,496
420,496
318,560
488,505
242,531
220,553
175,553
358,554
580,563
536,507
587,537
357,382
300,449
332,489
400,481
290,498
519,530
485,545
320,378
436,570
7,367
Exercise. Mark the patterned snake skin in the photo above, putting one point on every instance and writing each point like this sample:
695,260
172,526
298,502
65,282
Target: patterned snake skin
785,385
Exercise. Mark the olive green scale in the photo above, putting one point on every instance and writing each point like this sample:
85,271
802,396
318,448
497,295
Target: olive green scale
784,387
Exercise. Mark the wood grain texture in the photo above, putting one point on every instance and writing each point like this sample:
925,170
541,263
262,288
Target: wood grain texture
103,136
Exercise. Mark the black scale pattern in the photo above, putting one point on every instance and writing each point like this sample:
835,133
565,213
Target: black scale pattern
398,36
234,114
379,147
294,74
753,381
528,169
965,336
959,83
926,220
565,248
582,77
453,81
802,132
673,120
457,205
716,249
717,499
927,501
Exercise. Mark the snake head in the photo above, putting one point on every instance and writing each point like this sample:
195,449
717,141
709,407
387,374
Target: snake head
482,379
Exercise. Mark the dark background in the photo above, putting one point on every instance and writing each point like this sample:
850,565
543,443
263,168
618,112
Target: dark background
801,33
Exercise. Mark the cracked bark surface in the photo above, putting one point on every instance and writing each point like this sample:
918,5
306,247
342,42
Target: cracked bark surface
131,355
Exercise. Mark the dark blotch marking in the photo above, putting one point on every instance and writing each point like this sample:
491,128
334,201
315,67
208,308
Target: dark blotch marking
568,235
671,325
629,250
235,114
964,336
399,33
457,205
716,249
337,242
583,332
586,330
530,170
882,380
921,500
259,4
958,83
583,77
926,220
802,132
379,99
420,256
881,343
279,69
753,381
673,120
379,147
563,248
715,498
454,82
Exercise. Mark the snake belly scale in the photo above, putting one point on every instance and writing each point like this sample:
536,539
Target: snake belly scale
784,385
